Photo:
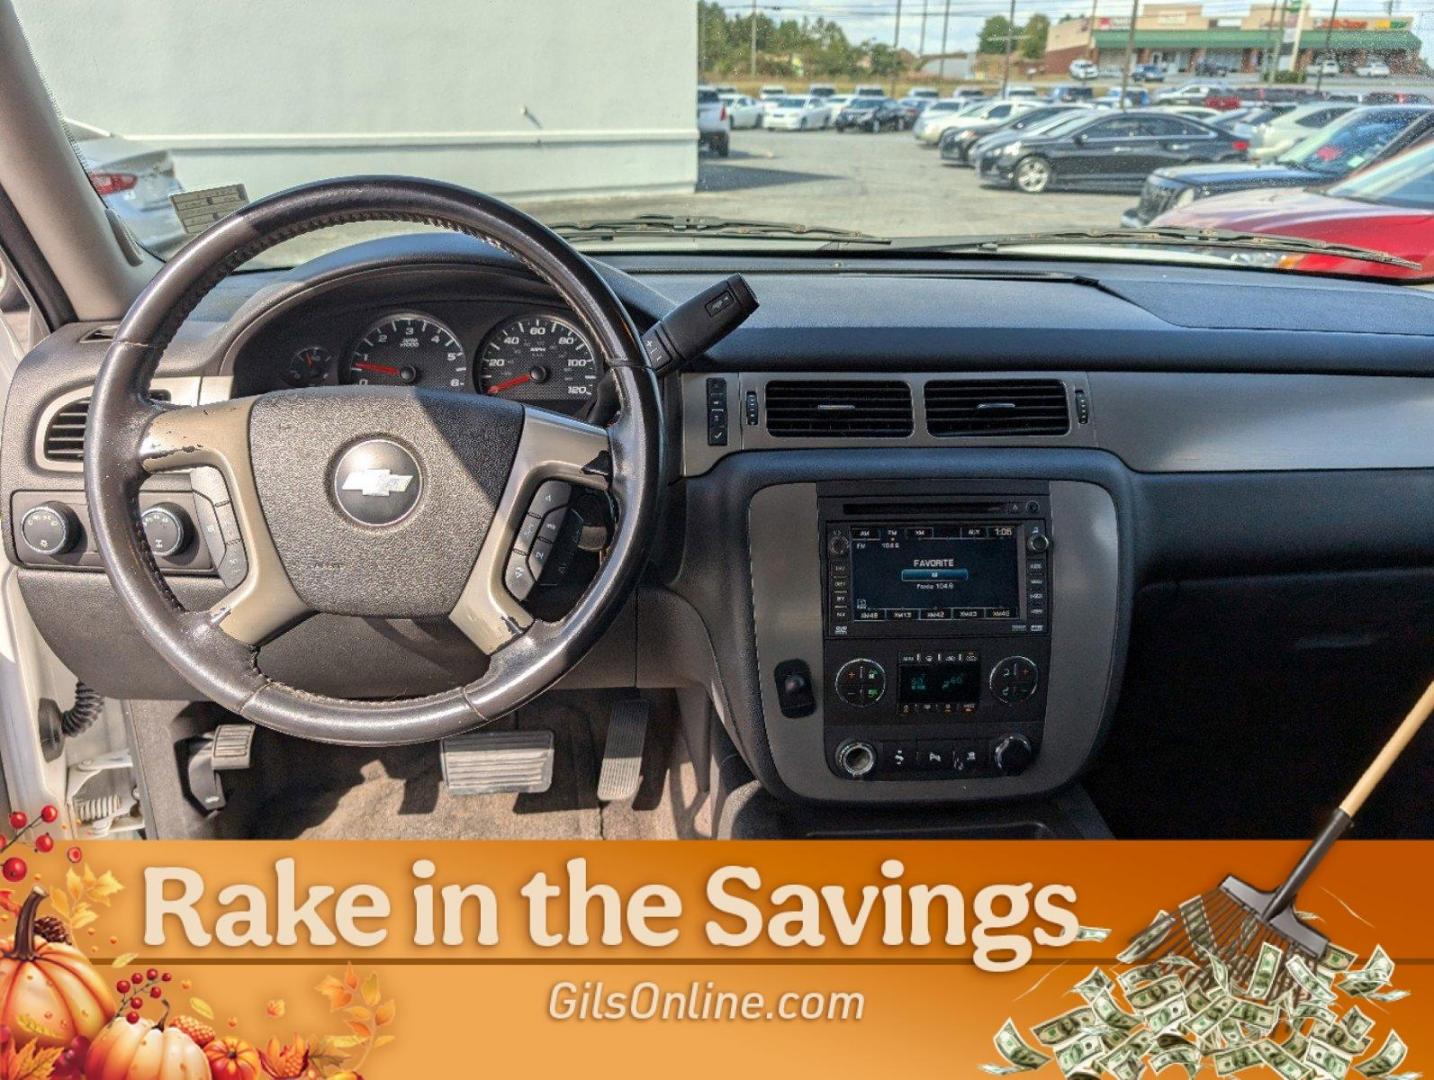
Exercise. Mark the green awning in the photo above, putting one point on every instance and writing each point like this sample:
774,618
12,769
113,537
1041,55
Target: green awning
1374,40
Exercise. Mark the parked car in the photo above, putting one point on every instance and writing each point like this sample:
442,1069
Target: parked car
1362,138
990,144
913,107
135,180
871,114
1084,70
714,123
1021,91
1394,97
1147,73
1212,69
986,115
821,90
870,90
1388,207
968,93
745,112
926,93
939,113
1328,66
799,114
725,88
1108,153
1197,112
1373,69
1274,137
1193,93
1071,93
957,140
770,95
1135,98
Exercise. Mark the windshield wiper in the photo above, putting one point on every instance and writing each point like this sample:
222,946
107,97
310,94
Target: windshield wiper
1159,236
703,225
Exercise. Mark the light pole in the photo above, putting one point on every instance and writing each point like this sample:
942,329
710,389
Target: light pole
1010,29
1129,51
754,39
896,49
945,25
921,48
1328,30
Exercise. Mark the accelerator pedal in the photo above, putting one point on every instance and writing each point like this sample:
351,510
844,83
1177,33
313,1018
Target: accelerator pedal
621,773
498,762
228,748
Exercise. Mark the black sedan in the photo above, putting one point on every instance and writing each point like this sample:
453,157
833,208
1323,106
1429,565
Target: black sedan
871,114
957,140
1108,152
1359,138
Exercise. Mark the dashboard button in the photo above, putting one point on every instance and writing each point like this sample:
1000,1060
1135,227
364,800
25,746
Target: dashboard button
166,528
553,494
517,577
552,524
50,528
527,532
538,557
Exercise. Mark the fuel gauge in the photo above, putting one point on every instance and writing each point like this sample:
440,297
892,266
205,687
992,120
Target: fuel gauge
308,366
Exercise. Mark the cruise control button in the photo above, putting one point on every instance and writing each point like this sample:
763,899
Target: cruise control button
550,496
526,532
517,577
552,524
538,557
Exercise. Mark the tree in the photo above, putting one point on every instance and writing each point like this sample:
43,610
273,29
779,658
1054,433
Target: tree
1033,37
994,33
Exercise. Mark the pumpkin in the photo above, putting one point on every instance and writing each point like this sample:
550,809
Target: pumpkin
49,994
231,1058
144,1050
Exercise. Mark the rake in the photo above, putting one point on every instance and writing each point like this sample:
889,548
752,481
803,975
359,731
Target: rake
1233,921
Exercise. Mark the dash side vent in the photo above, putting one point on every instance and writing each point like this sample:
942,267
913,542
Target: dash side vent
996,407
839,408
65,434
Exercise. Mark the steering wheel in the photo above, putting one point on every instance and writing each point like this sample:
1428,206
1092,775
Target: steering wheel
370,501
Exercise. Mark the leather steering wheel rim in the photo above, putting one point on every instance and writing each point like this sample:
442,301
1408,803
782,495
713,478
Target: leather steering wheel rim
130,437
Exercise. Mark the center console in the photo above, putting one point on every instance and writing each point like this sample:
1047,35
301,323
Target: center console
936,632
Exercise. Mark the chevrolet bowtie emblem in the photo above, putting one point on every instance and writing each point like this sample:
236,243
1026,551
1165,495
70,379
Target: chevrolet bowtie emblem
377,482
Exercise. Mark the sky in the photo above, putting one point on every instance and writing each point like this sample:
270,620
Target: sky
862,19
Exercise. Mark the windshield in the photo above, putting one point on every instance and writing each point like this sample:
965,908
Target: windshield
1349,143
1406,180
585,116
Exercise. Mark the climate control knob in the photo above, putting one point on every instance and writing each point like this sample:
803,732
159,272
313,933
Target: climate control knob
856,759
1014,755
861,682
167,529
1014,679
50,529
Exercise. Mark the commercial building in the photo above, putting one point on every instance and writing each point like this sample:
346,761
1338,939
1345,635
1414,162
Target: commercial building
1181,36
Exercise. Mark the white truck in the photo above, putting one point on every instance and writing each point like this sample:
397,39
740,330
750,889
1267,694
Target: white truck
714,122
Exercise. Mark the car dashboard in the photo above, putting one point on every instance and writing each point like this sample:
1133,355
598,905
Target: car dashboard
932,529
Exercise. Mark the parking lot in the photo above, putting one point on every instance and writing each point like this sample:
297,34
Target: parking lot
885,184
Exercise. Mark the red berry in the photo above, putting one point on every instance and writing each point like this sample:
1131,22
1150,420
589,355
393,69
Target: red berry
74,854
44,843
14,869
19,819
136,1003
49,813
155,991
165,977
137,978
132,1017
152,974
122,986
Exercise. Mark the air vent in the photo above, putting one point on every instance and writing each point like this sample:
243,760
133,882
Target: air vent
101,333
994,407
839,408
65,435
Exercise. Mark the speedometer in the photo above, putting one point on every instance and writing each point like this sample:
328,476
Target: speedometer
542,360
405,350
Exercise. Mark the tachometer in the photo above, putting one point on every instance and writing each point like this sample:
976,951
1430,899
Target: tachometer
405,350
542,360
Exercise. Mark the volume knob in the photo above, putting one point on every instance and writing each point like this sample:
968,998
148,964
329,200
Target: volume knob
1014,755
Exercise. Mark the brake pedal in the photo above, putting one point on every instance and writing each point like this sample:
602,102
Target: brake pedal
621,773
498,762
228,748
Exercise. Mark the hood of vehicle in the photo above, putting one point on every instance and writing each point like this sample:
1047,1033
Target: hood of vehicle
1311,214
1237,175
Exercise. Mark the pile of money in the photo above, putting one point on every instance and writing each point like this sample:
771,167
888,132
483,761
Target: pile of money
1299,1018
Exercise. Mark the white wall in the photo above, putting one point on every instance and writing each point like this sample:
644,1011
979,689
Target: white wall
513,97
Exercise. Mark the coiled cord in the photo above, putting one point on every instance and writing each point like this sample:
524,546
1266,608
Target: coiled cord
83,713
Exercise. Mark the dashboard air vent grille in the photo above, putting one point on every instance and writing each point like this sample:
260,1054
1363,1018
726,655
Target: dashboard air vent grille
996,407
65,435
839,408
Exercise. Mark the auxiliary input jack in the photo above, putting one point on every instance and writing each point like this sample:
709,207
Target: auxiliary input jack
856,759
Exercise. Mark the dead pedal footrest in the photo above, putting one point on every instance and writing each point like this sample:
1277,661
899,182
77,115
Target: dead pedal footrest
621,773
498,762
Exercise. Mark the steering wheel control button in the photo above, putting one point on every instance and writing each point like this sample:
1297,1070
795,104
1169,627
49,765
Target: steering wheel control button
861,682
517,577
1014,755
717,412
1014,679
527,532
553,494
538,557
50,529
167,529
552,525
377,482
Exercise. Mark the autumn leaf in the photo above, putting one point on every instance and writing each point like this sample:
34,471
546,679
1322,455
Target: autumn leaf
359,1013
84,915
33,1063
74,885
61,904
103,888
371,993
276,1008
335,1044
384,1014
123,959
351,979
202,1007
383,1040
363,1031
7,902
338,994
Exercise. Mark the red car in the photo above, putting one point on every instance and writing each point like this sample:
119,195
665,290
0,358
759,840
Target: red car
1388,207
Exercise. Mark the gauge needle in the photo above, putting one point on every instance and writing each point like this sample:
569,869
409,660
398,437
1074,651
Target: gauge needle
377,369
508,384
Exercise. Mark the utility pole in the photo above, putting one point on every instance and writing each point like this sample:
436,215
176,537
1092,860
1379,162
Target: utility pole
1129,51
1010,29
1279,36
945,25
1328,30
754,39
1298,7
896,49
1093,52
921,48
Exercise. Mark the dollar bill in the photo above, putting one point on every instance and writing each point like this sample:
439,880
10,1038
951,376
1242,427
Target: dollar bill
1065,1027
1391,1055
1386,995
1094,984
1112,1015
1143,973
1197,923
1257,1015
1078,1052
1329,1060
1146,942
1313,1010
1308,981
1092,933
1267,966
1343,1040
1217,969
1282,1061
1151,996
1295,1044
1208,1019
1335,958
1355,1022
1376,973
1168,1015
1013,1048
1236,1059
1185,1055
1197,999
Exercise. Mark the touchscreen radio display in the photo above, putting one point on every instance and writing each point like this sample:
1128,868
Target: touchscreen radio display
934,572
